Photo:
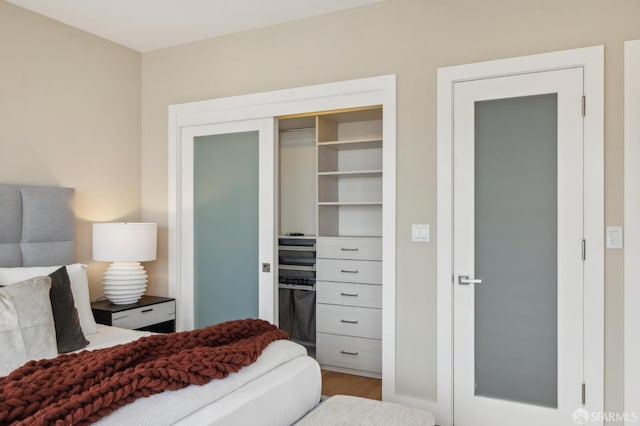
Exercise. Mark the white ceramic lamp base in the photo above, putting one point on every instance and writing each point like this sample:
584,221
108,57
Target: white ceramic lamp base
124,282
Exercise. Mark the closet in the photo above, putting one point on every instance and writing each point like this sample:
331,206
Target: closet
297,230
330,236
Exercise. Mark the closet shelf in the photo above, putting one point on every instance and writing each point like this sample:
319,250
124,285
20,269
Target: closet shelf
339,235
298,248
354,173
369,143
297,268
350,203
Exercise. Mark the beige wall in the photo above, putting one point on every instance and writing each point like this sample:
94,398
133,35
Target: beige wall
410,38
70,116
70,108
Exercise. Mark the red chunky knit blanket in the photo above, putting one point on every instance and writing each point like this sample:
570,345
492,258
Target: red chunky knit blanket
83,387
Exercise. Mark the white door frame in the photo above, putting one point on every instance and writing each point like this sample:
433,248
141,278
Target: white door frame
631,227
347,94
266,179
479,410
591,60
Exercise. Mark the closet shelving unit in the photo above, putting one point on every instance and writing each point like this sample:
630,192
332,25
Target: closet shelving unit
297,215
297,263
330,190
350,173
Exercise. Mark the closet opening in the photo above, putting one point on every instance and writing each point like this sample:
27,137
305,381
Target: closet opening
329,233
353,231
296,229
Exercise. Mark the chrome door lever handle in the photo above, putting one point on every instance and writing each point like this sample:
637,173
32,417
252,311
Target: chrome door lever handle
465,280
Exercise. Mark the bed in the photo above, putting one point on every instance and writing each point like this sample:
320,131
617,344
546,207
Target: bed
37,237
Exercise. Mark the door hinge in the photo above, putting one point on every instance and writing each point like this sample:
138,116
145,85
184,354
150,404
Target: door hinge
584,394
584,106
584,249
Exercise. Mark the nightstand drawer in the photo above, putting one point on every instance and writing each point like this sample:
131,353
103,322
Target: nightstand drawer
349,352
349,321
350,271
145,316
350,248
349,294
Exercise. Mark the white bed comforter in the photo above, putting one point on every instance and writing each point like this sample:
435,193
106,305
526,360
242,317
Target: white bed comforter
170,407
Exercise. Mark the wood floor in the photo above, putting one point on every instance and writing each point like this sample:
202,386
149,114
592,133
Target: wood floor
346,384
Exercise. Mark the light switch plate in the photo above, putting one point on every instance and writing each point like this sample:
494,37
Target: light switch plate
420,233
614,237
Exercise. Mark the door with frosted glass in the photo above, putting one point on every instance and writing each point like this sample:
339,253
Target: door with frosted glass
230,230
518,230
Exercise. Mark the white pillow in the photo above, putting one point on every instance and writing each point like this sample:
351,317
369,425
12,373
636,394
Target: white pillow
79,288
27,330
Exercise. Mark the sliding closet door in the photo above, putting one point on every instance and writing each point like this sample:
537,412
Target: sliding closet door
228,193
226,227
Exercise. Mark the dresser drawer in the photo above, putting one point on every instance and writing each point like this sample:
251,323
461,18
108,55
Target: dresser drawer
350,271
349,352
349,321
350,248
363,295
145,315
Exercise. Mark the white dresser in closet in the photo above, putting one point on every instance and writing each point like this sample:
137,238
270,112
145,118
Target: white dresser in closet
349,244
349,304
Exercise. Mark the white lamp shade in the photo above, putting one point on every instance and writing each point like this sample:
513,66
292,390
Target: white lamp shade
125,242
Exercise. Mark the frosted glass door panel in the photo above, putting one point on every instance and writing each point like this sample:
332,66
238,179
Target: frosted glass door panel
226,227
516,252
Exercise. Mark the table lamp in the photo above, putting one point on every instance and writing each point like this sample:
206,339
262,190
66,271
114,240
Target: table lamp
126,245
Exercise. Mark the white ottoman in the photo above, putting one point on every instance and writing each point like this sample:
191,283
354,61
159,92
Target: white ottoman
351,410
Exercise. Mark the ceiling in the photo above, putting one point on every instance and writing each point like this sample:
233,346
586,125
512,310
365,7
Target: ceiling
145,25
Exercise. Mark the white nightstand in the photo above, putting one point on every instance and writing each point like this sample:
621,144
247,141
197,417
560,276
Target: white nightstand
151,313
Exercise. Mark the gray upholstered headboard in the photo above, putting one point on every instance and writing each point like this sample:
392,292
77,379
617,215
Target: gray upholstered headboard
36,226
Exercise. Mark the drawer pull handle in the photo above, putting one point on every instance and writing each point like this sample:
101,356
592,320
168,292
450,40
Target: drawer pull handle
349,321
349,294
349,249
348,353
119,318
144,311
348,271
